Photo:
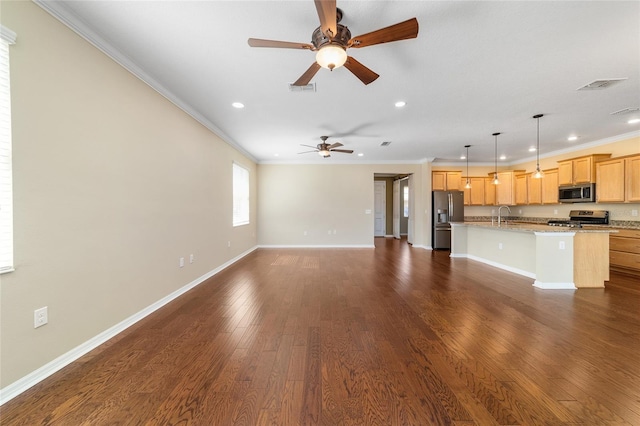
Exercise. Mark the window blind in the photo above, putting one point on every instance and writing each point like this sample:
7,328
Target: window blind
7,37
240,195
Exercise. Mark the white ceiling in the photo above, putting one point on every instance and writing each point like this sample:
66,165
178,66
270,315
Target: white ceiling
475,68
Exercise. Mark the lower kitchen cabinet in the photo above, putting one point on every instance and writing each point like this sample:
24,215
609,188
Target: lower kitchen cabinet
624,251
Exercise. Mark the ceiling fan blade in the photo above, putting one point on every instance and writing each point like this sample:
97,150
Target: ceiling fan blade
308,75
258,42
363,73
335,145
327,14
306,152
346,151
402,31
309,146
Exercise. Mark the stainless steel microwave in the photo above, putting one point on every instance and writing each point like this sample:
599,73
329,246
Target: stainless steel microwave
583,193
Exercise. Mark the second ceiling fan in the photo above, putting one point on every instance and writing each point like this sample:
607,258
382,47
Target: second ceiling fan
331,40
325,150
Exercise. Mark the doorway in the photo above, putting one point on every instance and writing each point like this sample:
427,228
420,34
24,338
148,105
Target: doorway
380,208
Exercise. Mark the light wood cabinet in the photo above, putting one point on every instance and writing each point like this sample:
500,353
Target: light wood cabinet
446,180
534,189
610,181
618,180
550,187
505,190
476,195
579,170
624,251
521,195
489,192
632,172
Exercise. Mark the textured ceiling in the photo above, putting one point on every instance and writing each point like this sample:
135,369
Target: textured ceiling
475,68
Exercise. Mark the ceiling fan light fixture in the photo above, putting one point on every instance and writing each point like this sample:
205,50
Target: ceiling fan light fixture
324,153
331,56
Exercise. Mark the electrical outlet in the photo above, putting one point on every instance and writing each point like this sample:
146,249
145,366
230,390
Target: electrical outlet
181,262
191,258
228,243
555,211
561,245
334,232
634,212
304,233
40,317
329,232
520,211
499,246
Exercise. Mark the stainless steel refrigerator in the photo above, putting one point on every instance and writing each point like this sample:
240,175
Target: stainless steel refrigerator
448,206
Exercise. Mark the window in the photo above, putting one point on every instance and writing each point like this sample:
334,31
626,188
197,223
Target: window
240,195
7,37
406,201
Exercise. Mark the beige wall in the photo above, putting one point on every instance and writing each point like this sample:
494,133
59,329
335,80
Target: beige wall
112,185
322,198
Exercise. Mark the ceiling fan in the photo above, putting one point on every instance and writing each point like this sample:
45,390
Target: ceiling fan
331,40
324,149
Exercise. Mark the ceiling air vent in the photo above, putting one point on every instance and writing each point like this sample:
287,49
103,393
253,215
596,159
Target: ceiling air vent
625,111
311,87
601,84
386,143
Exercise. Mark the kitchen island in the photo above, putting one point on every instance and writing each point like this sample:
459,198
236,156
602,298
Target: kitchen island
556,258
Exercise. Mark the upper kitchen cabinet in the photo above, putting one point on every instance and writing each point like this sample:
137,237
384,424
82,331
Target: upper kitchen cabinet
506,189
521,190
579,170
534,189
474,196
446,181
618,180
550,187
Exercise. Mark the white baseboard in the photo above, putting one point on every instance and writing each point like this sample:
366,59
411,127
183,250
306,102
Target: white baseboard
276,246
501,266
555,286
16,388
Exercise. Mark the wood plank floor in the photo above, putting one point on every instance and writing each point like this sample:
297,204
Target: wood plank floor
391,336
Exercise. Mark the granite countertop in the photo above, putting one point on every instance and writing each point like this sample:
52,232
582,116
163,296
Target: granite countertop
613,224
533,227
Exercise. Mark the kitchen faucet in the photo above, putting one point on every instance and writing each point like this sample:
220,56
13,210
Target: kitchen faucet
500,216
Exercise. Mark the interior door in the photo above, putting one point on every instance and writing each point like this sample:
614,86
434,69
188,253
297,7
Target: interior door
396,209
380,207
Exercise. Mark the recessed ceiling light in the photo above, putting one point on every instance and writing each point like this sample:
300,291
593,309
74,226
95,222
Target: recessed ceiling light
503,157
532,149
572,138
462,157
276,155
634,121
400,104
360,154
238,105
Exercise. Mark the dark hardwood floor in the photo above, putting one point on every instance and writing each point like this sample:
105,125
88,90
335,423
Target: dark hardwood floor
391,336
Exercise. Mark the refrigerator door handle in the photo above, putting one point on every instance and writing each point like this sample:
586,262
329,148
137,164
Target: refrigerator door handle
451,212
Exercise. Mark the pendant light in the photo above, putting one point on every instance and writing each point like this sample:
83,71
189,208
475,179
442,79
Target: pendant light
495,173
538,174
468,185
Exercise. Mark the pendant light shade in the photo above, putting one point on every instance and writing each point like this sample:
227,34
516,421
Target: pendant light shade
468,185
495,173
538,173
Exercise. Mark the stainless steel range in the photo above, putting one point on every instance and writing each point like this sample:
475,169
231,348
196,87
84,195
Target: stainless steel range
577,218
